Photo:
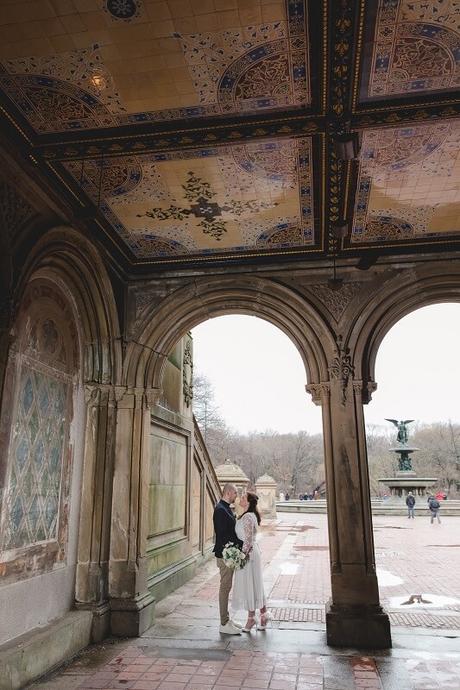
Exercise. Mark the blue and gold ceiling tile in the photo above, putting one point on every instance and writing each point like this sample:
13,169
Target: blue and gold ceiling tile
412,47
210,199
142,69
407,184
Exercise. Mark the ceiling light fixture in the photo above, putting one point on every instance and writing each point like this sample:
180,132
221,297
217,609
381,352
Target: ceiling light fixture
98,80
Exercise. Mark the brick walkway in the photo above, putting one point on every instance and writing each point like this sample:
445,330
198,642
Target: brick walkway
184,651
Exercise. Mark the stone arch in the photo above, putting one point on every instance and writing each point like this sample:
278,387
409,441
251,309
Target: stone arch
66,270
397,298
203,299
68,260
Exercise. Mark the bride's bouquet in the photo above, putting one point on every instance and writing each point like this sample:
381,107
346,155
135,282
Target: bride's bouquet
233,557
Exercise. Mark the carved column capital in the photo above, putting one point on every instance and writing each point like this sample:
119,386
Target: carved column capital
99,394
364,390
152,396
319,391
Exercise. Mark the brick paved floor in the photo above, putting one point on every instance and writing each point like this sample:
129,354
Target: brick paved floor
184,651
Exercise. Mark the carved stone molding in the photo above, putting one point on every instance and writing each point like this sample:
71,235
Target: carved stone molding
336,301
187,372
365,390
341,368
318,391
101,394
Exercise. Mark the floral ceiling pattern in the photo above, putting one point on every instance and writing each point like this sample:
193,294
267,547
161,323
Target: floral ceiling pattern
190,130
414,48
408,184
215,200
178,69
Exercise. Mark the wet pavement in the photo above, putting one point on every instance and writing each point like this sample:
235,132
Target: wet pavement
184,650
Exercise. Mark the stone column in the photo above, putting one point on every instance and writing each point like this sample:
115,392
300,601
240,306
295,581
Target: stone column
132,606
91,587
266,488
354,617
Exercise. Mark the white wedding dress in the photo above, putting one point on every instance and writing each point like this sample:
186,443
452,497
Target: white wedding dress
248,586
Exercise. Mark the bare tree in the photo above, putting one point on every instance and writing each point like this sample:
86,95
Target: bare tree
205,408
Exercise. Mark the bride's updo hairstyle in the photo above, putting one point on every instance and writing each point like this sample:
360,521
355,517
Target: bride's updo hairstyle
253,500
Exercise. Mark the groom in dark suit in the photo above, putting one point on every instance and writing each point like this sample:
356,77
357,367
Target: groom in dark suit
224,527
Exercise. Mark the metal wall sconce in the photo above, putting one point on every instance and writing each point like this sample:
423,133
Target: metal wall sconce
347,146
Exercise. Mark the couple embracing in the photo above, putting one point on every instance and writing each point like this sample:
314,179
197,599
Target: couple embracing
248,587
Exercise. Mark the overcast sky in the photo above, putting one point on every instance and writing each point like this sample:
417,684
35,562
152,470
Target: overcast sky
259,378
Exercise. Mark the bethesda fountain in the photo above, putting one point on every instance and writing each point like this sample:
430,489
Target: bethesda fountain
405,479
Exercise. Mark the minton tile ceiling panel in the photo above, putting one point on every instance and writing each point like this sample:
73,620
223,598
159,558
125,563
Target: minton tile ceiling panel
143,62
408,184
413,47
206,201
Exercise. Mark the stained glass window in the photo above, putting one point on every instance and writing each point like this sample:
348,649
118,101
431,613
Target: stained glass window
32,495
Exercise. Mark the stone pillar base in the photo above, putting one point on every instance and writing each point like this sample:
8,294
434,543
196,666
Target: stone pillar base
364,627
131,617
100,624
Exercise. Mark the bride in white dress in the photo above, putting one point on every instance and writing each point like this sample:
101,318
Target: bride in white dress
248,587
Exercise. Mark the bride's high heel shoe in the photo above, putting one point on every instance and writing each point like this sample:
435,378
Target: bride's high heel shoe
250,623
264,618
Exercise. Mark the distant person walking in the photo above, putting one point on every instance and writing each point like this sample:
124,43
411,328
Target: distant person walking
410,503
434,506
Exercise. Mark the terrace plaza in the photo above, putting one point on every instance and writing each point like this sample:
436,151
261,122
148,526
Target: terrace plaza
161,163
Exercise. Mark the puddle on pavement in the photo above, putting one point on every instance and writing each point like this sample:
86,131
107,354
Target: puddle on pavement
289,568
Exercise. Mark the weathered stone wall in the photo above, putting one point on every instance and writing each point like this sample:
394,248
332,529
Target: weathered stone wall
181,491
41,446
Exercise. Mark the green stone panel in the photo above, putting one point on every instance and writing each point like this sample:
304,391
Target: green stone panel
168,474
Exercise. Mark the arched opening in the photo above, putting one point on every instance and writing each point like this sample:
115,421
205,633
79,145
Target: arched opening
62,347
172,379
413,436
277,457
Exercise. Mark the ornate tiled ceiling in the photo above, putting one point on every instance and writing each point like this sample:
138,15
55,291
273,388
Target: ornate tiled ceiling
124,62
412,47
206,201
408,183
205,130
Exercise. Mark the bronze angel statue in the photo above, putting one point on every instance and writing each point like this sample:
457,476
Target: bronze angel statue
403,435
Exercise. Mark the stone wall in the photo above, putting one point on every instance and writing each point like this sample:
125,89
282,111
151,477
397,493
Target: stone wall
41,449
182,486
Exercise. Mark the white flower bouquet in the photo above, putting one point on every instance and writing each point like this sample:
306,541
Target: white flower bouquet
234,558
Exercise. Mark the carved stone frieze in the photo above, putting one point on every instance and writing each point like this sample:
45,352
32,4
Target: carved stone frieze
146,297
336,301
342,368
